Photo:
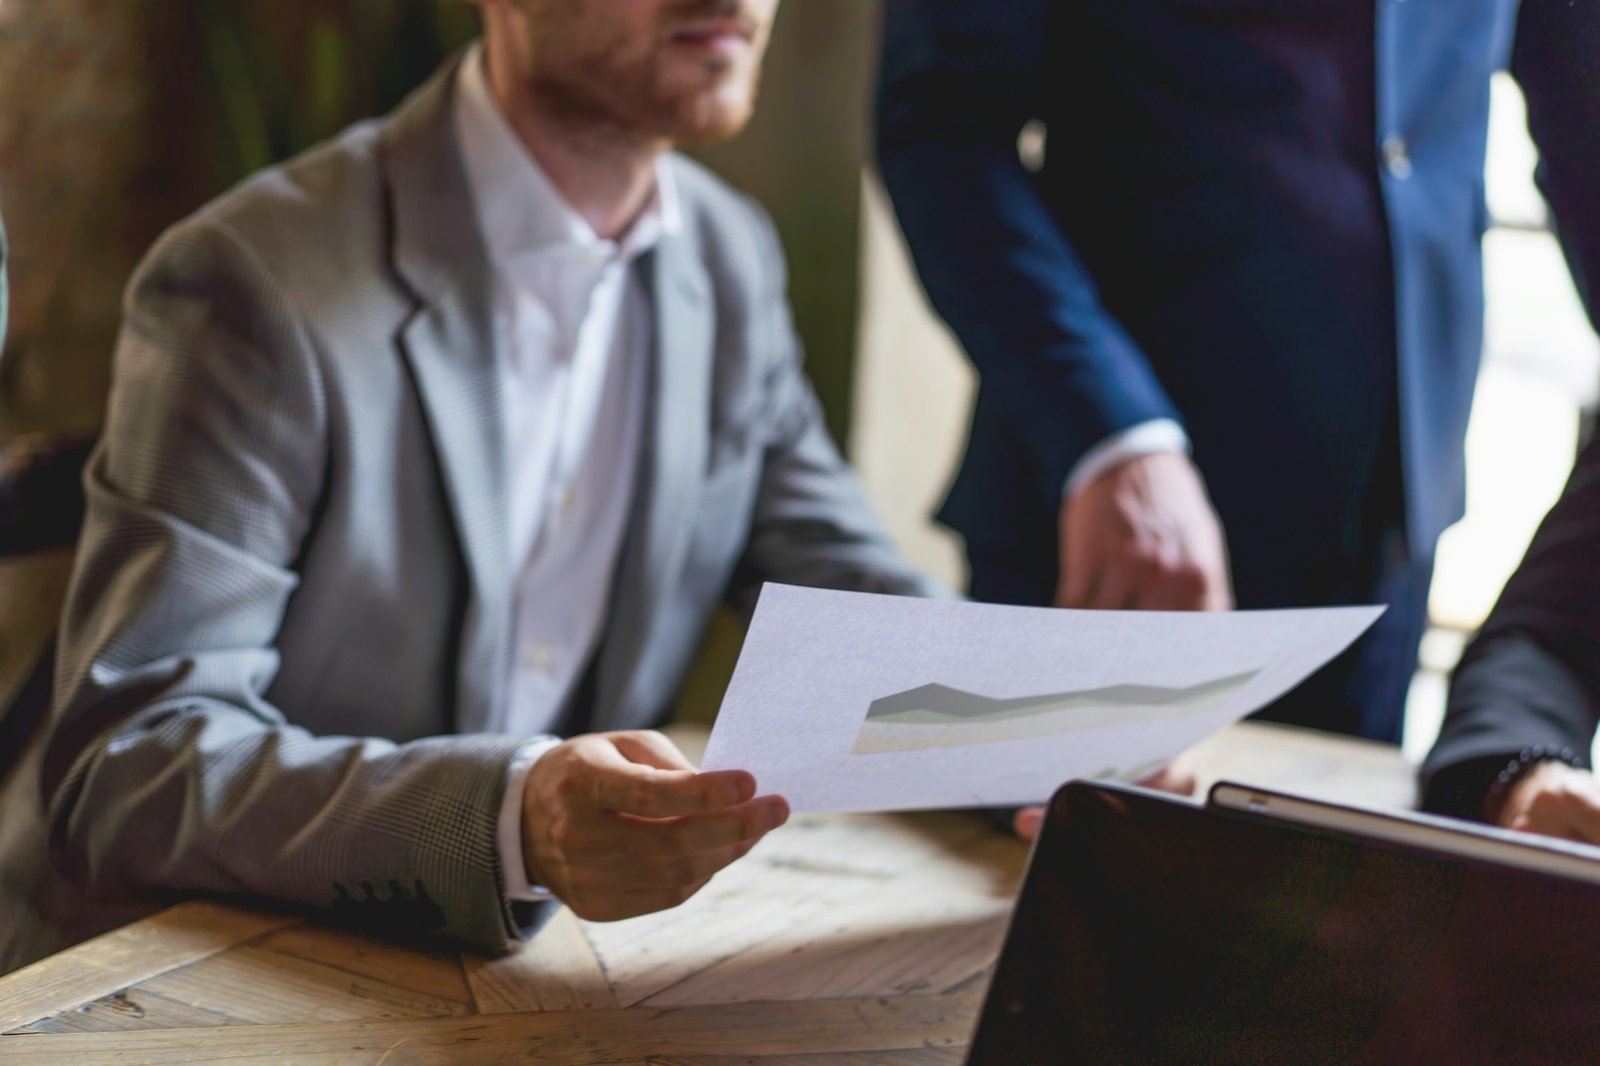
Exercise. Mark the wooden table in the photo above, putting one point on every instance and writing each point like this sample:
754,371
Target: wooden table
840,939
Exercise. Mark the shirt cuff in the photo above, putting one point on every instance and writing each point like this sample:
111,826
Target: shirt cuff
1146,438
514,870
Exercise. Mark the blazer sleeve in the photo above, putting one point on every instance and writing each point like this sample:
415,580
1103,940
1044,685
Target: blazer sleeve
811,524
1532,676
958,81
1556,60
167,770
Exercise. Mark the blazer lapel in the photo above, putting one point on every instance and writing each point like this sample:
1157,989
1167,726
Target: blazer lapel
671,470
449,344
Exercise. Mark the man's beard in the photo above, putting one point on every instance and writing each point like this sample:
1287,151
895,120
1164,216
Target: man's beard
624,93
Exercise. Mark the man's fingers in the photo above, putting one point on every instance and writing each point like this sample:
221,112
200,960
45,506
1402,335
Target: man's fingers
1077,579
1076,586
1569,806
1179,776
1113,591
1219,590
1028,821
660,889
650,748
651,793
626,826
668,874
1076,575
643,773
1172,585
706,832
1143,536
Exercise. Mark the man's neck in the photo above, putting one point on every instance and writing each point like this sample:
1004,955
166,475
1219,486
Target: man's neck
606,174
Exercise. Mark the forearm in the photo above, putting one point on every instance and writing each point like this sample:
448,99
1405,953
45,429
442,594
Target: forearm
195,795
1509,694
956,86
1023,305
1532,677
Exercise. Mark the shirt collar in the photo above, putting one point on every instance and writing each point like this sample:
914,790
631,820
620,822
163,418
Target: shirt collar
519,209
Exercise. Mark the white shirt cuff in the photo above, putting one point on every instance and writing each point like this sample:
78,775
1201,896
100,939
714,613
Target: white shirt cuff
1146,438
508,835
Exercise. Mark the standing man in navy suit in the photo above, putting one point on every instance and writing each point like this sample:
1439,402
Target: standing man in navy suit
1227,330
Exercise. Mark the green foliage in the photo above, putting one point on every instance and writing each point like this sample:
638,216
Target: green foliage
280,77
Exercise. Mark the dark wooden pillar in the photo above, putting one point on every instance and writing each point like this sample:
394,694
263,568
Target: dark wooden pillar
118,117
97,150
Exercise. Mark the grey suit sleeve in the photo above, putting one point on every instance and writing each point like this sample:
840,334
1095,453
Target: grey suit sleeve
812,523
168,771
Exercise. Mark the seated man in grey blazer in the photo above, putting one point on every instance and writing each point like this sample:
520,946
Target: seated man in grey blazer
423,450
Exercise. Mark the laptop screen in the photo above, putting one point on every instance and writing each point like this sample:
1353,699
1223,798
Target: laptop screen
1150,930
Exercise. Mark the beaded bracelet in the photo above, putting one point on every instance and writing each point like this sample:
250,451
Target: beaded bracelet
1522,765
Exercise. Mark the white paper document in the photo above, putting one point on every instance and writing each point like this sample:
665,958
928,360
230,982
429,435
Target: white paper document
846,701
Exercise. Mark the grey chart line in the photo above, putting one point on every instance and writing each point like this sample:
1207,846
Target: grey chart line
938,716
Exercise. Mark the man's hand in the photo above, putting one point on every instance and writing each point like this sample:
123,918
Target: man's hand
1556,800
1178,777
620,824
1143,536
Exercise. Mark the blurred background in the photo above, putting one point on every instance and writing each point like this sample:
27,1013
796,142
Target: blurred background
117,117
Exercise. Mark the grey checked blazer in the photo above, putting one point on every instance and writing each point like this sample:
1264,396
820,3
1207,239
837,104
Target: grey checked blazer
292,602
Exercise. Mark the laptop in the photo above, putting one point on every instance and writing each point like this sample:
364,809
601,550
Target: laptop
1268,928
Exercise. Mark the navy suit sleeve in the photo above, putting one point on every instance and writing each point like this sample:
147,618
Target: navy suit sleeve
957,83
1557,62
1532,677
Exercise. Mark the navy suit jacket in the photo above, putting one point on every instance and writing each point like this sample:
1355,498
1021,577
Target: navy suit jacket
1261,218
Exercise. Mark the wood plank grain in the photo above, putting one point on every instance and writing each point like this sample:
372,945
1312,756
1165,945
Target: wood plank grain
884,958
261,987
133,1008
832,918
865,1027
557,970
813,873
432,969
174,938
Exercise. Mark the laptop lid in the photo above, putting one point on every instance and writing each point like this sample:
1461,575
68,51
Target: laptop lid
1152,930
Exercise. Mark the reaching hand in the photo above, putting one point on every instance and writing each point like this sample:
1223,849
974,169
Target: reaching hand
1143,536
620,824
1178,777
1556,800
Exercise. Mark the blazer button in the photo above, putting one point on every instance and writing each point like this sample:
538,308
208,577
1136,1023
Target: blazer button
1397,157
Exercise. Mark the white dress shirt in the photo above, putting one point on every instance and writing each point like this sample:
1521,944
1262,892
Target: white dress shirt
575,332
1145,438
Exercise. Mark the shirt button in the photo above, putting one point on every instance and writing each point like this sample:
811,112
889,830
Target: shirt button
1397,156
539,657
569,502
